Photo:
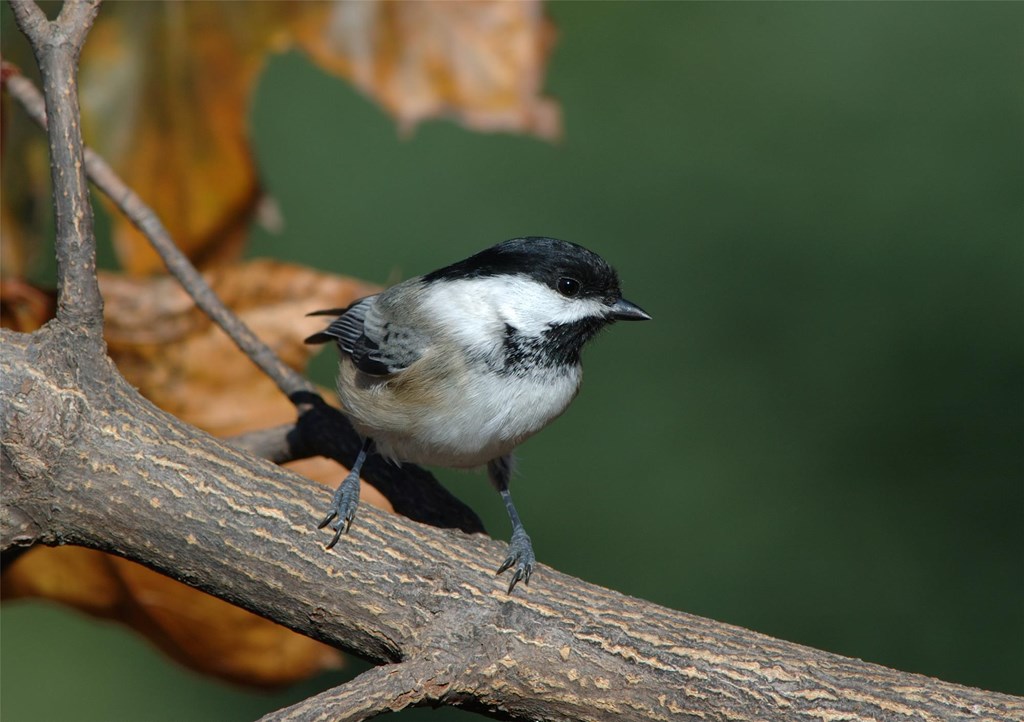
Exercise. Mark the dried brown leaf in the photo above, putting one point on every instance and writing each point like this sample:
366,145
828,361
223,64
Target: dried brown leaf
165,92
186,365
166,89
480,62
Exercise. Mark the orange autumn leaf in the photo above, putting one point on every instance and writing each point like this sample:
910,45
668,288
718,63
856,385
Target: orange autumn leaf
166,88
479,62
165,92
164,344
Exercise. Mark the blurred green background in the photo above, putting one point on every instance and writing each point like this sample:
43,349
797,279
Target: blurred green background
820,434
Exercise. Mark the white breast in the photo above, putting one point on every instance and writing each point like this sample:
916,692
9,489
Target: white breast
468,426
464,412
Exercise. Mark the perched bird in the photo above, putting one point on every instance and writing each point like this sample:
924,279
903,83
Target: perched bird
458,367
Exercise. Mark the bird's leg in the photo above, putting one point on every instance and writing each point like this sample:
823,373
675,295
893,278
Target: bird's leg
346,497
520,550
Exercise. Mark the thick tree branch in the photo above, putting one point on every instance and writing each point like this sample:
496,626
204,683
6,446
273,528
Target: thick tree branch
93,464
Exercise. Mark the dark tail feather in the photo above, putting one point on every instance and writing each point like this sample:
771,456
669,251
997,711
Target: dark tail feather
321,337
343,326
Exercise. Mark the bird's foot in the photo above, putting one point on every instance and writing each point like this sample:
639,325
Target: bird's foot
343,508
520,555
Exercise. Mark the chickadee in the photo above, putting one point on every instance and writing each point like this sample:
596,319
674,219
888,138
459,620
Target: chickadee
458,367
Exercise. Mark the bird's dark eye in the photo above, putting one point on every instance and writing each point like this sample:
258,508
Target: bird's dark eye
568,287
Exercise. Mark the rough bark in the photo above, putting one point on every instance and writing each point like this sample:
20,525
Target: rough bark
91,463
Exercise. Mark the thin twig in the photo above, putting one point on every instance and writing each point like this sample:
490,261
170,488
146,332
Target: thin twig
145,219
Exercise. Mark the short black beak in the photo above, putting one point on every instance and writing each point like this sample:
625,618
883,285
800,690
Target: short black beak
623,310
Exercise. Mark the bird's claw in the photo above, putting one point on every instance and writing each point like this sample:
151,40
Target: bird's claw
327,519
343,509
520,555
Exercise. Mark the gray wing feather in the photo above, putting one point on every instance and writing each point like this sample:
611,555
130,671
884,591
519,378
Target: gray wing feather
348,327
376,345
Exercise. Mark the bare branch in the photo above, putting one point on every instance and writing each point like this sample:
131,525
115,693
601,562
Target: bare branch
388,688
56,46
31,21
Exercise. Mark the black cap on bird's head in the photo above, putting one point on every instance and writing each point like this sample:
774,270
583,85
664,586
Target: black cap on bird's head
568,268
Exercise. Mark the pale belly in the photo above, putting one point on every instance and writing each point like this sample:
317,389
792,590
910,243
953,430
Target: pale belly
462,426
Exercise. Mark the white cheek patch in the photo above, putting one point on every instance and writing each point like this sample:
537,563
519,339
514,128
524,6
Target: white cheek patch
477,309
